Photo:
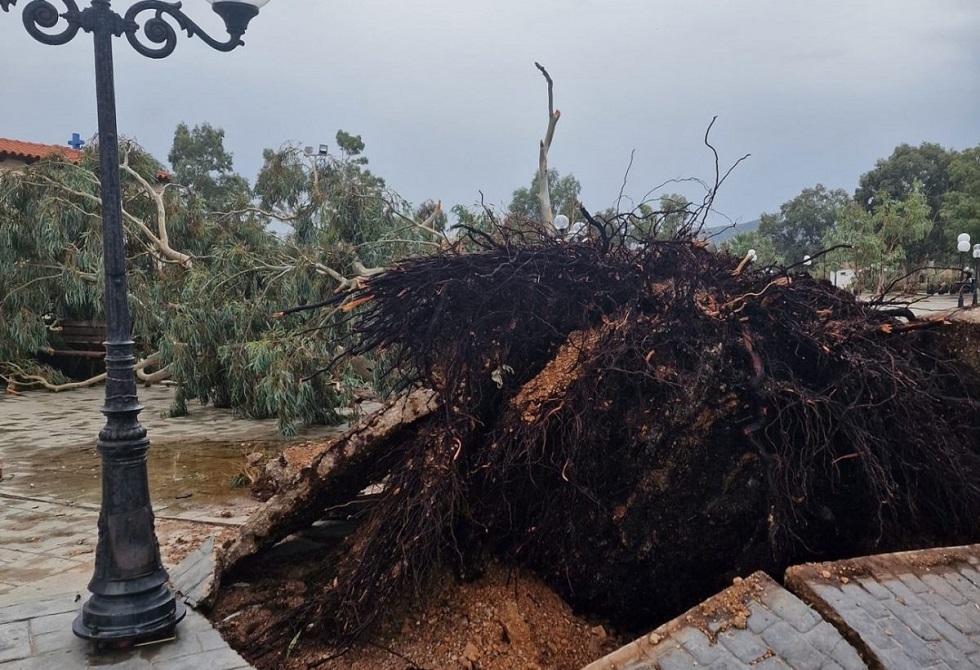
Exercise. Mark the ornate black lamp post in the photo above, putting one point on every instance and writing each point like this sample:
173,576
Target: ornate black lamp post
130,598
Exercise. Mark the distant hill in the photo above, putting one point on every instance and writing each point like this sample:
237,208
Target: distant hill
720,234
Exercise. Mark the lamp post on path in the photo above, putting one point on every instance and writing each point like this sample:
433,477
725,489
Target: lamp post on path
976,271
962,246
130,598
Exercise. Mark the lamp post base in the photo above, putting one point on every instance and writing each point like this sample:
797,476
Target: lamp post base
129,619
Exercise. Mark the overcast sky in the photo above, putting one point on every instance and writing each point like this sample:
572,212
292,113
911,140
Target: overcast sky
448,101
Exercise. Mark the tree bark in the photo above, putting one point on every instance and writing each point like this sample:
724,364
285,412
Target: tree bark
336,476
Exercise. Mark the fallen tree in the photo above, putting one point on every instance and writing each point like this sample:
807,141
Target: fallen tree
636,420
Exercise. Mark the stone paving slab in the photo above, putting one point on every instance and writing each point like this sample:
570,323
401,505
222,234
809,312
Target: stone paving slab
193,578
37,636
910,610
754,624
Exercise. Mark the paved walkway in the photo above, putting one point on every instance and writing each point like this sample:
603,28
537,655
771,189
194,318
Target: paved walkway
49,495
907,611
37,636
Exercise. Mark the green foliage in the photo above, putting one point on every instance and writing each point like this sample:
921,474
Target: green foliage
202,165
801,224
880,240
328,199
645,222
212,320
351,145
564,192
892,178
51,249
765,250
960,211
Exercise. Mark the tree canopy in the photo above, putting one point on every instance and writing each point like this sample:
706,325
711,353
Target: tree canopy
202,164
960,212
564,191
205,284
893,178
799,227
905,213
880,240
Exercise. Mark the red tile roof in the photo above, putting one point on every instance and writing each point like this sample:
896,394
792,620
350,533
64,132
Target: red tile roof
29,151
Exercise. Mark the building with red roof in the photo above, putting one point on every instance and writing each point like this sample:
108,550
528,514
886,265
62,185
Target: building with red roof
15,154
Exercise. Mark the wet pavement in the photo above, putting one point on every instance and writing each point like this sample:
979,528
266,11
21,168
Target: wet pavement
49,495
47,448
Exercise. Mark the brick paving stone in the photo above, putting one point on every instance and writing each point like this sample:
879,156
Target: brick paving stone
37,635
941,586
761,618
970,591
699,646
875,589
787,607
15,641
780,633
52,622
912,610
37,609
196,645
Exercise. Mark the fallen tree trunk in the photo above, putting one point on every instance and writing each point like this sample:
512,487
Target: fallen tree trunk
346,467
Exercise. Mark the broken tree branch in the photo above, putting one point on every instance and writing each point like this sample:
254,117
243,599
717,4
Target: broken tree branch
544,191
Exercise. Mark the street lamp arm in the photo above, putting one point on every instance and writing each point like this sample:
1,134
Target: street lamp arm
158,30
41,14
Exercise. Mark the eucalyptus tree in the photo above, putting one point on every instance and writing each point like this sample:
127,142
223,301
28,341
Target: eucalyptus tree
205,287
882,243
802,222
563,196
51,254
960,211
205,168
765,251
893,178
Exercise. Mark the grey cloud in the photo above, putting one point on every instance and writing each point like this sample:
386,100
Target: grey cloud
448,101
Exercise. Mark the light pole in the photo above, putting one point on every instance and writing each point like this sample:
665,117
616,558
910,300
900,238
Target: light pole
962,245
976,271
130,598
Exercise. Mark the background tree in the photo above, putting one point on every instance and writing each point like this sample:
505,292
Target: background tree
328,199
960,211
880,240
765,250
892,179
801,223
564,191
202,165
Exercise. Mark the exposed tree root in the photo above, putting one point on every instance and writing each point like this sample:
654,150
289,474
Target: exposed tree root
637,422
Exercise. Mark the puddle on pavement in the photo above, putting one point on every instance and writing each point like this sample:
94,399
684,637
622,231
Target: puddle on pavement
183,474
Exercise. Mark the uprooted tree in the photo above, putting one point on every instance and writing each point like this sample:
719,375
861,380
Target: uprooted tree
205,273
635,419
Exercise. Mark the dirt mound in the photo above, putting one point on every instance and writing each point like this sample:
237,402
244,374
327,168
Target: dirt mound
505,619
